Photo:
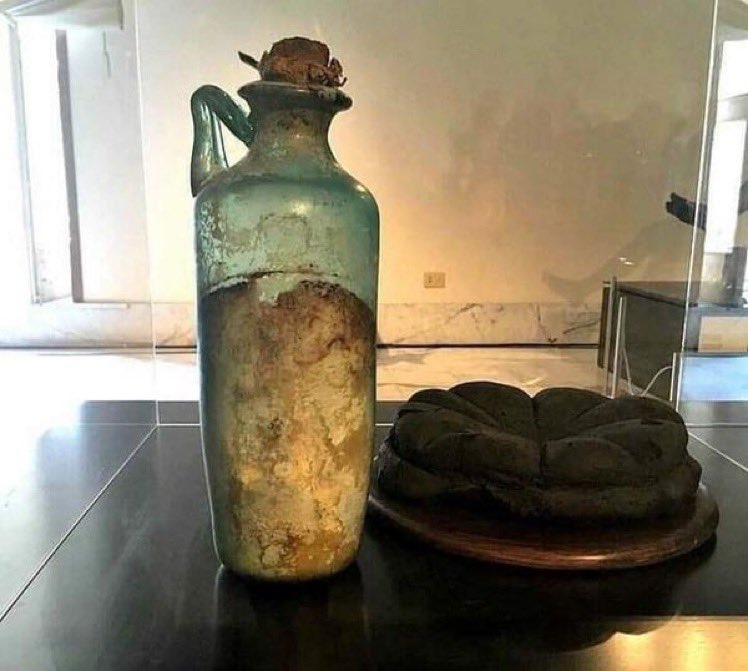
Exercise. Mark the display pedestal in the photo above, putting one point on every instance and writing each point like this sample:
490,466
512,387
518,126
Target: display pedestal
510,540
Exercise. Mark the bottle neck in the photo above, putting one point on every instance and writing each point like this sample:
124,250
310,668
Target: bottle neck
292,134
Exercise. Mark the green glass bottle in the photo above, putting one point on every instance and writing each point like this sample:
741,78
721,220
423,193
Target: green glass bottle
287,256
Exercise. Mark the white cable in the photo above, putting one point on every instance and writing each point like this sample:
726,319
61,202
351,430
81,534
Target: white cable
628,373
654,379
651,382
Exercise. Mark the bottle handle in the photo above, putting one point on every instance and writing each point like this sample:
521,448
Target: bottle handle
210,106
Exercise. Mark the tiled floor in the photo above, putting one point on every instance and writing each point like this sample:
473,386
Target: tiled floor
117,375
51,378
401,372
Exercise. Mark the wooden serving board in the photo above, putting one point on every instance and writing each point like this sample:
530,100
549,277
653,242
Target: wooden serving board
511,540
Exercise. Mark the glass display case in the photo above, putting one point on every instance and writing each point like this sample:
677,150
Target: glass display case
684,339
513,183
77,397
562,191
713,368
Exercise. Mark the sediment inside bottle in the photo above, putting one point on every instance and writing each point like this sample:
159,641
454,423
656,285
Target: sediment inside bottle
288,399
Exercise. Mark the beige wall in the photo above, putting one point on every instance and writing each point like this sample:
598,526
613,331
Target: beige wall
524,147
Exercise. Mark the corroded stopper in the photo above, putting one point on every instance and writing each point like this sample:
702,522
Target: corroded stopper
298,60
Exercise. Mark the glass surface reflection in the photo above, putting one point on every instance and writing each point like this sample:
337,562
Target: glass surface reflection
320,625
476,612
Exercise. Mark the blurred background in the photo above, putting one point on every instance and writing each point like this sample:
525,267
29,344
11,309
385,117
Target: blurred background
563,199
560,187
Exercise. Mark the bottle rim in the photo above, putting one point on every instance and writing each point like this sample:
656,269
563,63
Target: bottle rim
277,95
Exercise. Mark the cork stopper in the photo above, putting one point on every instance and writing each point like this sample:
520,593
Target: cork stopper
300,61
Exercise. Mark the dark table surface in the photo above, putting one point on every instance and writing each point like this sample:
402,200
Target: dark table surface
136,585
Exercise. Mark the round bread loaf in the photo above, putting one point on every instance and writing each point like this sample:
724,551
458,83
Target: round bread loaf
566,453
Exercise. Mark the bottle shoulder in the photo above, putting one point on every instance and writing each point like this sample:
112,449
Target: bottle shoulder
332,186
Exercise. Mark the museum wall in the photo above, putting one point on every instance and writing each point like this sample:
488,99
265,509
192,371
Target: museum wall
524,148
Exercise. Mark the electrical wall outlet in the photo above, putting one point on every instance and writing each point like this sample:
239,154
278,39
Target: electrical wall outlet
434,280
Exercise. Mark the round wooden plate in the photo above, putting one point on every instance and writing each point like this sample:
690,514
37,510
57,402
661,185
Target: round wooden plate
510,540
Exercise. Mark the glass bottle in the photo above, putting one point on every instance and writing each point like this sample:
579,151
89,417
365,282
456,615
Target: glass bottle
287,257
